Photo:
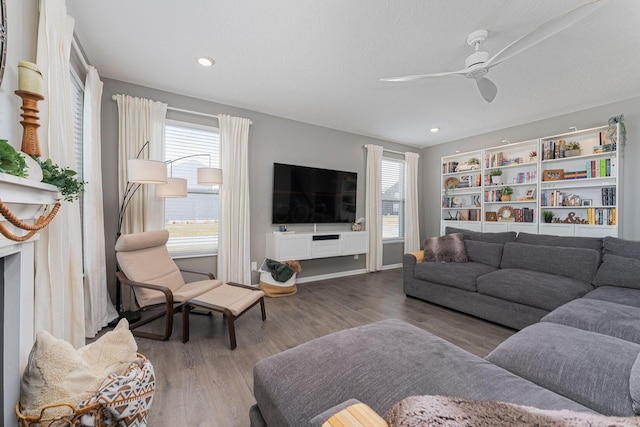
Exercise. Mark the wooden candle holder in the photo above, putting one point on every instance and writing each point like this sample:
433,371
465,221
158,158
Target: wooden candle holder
30,144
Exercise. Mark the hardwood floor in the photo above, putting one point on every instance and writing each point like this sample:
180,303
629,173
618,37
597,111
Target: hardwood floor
203,383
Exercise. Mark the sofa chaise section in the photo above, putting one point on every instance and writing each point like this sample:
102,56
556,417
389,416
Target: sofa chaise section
380,364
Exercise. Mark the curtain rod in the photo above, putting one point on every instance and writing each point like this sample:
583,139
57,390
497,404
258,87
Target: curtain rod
389,151
182,110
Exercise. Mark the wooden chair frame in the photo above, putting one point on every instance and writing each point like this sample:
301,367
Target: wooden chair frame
228,315
170,310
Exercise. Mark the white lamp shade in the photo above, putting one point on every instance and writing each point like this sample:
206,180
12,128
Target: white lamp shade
209,176
175,187
146,171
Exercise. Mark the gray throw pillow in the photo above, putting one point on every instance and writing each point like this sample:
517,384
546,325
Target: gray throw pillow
447,248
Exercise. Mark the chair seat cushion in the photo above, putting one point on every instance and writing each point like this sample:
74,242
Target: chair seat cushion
184,293
233,298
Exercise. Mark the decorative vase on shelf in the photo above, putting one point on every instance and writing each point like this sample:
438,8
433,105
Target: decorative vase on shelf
496,179
572,153
505,198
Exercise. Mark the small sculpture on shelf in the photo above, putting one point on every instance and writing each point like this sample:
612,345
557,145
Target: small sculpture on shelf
571,219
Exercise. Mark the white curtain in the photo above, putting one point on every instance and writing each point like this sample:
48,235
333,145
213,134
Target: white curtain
234,256
99,310
59,296
411,221
373,208
140,120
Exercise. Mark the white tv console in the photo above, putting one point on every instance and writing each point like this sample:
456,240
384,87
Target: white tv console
282,246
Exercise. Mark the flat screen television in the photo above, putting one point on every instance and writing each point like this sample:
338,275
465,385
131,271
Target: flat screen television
306,195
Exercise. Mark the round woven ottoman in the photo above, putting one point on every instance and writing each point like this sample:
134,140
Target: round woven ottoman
273,288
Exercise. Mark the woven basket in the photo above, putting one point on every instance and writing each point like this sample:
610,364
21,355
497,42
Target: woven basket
71,417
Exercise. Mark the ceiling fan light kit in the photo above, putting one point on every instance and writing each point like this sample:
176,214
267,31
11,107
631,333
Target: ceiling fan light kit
477,65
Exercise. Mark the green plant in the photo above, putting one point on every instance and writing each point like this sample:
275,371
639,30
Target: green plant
573,145
63,178
506,191
547,214
11,161
474,161
495,172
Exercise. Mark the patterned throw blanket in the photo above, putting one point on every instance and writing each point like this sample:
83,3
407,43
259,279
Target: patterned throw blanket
443,411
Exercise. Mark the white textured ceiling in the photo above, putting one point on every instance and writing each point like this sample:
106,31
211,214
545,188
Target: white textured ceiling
320,61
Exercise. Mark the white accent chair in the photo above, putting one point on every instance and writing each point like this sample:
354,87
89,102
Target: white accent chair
145,265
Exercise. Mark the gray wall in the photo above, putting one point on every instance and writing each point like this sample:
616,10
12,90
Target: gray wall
585,119
271,139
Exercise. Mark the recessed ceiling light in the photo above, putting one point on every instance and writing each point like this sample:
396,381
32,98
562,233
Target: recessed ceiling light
457,151
434,130
205,61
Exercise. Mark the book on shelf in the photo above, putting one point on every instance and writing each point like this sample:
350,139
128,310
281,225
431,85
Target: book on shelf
601,216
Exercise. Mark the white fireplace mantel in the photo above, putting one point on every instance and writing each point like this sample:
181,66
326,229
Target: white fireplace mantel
26,199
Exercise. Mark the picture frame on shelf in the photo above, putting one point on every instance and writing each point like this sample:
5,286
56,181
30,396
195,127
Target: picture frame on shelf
491,216
553,175
587,202
530,194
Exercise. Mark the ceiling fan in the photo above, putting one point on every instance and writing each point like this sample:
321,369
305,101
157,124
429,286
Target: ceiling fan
478,63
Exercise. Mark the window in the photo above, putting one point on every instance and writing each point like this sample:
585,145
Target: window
77,110
392,198
192,221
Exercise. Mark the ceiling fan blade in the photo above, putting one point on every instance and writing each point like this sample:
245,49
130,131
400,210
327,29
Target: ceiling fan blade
488,89
423,76
543,32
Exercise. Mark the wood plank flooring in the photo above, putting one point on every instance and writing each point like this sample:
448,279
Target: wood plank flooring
203,383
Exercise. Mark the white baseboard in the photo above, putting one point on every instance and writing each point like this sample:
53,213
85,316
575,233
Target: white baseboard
342,274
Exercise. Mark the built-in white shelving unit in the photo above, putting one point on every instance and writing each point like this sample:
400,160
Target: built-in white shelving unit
580,188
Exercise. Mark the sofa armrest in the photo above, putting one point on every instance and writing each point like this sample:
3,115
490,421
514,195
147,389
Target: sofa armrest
351,413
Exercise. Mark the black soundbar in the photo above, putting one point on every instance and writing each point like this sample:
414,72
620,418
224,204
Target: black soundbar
327,237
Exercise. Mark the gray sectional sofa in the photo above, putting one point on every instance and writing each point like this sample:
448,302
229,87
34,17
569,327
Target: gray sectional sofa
579,349
511,279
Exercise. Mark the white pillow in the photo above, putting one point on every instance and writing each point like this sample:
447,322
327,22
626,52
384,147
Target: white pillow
112,353
56,372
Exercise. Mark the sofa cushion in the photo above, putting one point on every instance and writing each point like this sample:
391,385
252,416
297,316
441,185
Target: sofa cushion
448,248
587,367
623,296
621,247
576,263
567,242
484,252
615,320
618,271
532,288
380,364
460,275
502,237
